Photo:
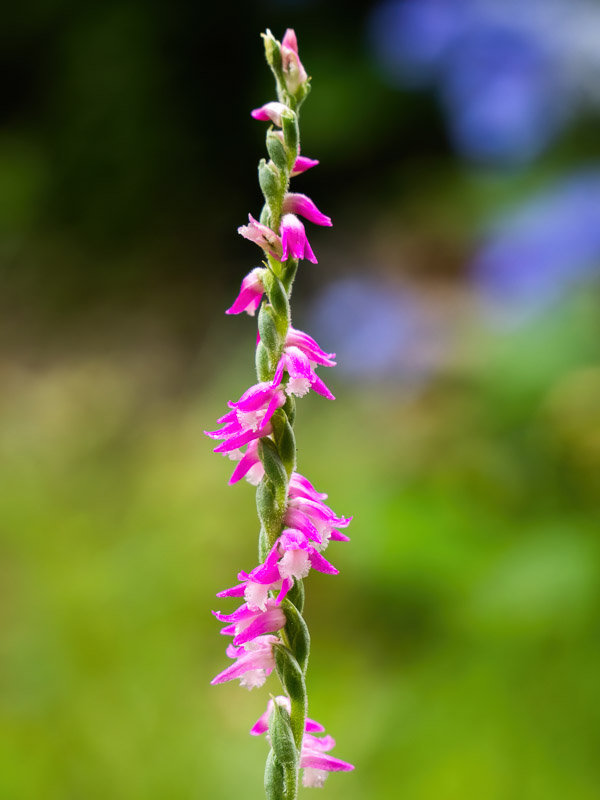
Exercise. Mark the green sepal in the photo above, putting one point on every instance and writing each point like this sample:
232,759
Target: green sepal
263,548
282,738
296,594
290,409
273,56
269,179
290,268
277,151
297,633
289,124
301,93
264,371
270,508
283,435
269,334
274,778
274,467
265,216
279,300
292,678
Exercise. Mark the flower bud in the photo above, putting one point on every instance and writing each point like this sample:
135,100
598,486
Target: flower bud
263,367
294,74
285,440
289,125
274,469
267,328
272,53
276,150
269,179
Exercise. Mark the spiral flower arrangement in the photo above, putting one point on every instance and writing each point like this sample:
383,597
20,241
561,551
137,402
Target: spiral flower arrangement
296,525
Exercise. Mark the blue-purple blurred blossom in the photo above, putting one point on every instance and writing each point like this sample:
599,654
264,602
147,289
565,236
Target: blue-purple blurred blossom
504,96
535,255
378,330
509,74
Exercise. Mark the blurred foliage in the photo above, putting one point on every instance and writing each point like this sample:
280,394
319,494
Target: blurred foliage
455,655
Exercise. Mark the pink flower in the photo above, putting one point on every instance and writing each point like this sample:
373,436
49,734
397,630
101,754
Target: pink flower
299,555
256,585
249,465
294,241
302,487
251,293
270,112
247,623
313,756
317,521
308,513
262,236
294,203
309,347
249,418
262,723
301,164
293,71
254,662
316,763
300,356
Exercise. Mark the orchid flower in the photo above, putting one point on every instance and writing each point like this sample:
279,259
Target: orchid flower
313,755
247,623
262,723
294,73
262,236
294,203
250,295
249,464
300,356
270,112
254,662
249,418
294,241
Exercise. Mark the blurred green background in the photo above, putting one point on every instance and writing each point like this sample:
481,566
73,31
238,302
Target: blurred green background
456,655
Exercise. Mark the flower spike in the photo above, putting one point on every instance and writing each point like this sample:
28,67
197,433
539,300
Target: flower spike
296,525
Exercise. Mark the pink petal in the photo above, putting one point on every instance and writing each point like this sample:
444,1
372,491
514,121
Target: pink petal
301,164
250,294
295,203
290,40
321,761
294,241
270,112
320,564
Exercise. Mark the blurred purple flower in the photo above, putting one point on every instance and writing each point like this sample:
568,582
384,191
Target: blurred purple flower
536,254
504,97
379,330
510,74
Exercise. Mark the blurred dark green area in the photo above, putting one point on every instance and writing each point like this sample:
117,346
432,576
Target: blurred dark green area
457,654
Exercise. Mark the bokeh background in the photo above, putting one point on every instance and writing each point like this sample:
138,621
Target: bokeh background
456,655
